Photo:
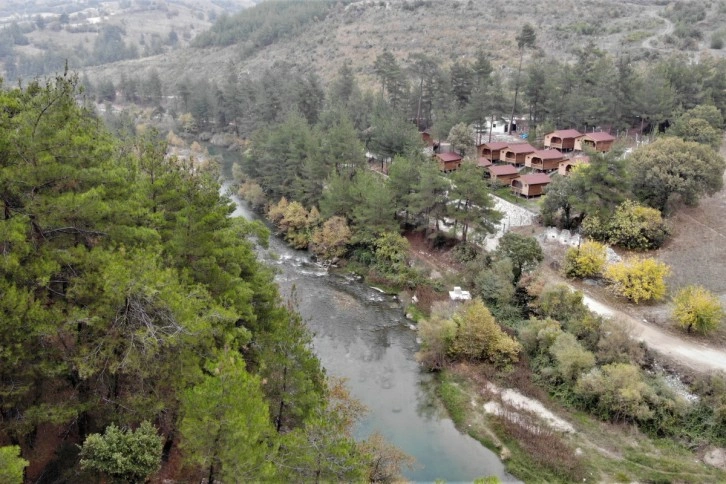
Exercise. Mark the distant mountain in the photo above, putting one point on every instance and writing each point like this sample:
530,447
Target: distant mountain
37,37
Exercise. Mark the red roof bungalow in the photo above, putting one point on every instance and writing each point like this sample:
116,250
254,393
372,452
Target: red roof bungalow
515,153
566,166
448,161
562,139
601,141
531,185
491,151
503,173
484,163
544,160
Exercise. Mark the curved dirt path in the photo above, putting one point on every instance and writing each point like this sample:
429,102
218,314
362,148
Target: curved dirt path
666,30
697,356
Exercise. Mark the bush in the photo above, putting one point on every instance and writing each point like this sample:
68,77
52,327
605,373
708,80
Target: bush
128,455
391,252
588,260
633,226
717,42
618,392
12,466
698,309
538,335
616,345
639,279
436,334
495,284
479,337
571,358
637,227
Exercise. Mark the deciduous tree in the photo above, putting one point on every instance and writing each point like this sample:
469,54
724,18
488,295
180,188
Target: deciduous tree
697,309
479,337
671,170
524,252
639,279
586,260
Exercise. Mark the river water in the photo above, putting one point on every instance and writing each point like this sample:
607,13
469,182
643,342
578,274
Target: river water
362,335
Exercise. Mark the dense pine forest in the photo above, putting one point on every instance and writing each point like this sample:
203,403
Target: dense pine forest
138,330
142,340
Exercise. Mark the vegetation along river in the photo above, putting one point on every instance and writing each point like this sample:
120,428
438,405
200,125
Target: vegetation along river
363,336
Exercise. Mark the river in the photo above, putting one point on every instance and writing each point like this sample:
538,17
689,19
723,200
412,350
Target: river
362,335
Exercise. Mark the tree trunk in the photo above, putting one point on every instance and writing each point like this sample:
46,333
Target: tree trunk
278,420
418,111
516,91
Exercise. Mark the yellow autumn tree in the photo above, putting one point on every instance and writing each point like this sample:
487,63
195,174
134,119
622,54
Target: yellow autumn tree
332,239
587,260
277,211
639,279
479,337
697,309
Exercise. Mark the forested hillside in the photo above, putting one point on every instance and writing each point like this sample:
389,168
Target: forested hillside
139,333
320,36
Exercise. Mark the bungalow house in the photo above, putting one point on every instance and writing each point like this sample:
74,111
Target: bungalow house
544,160
515,153
600,141
531,185
503,174
567,165
491,151
562,139
448,161
484,163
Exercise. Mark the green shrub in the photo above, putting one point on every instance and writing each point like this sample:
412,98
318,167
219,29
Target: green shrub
571,358
12,466
632,226
129,455
637,227
618,392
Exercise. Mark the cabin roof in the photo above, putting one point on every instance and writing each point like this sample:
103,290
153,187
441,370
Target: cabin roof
446,157
547,154
520,148
484,162
566,133
500,170
495,145
599,136
535,179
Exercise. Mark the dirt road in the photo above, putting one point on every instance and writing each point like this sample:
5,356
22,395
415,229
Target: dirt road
666,30
699,357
